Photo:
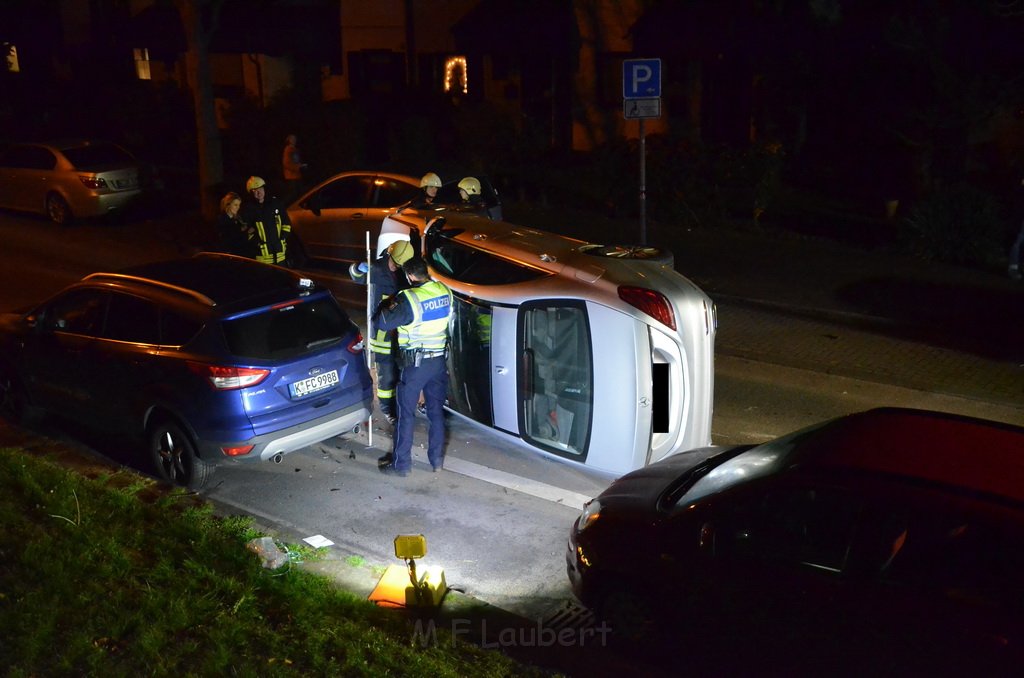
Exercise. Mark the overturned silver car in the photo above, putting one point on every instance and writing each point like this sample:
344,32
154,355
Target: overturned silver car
593,354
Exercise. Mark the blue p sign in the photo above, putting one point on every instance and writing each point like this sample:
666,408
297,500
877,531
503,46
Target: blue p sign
641,78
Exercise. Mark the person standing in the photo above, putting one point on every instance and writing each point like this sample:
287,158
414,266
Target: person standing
236,236
291,168
386,282
421,315
270,220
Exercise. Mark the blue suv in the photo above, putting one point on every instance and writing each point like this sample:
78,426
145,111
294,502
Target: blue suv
208,360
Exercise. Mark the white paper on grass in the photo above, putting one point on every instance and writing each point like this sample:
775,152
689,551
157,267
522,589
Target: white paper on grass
318,541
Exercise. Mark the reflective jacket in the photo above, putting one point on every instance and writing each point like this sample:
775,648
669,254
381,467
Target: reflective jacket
431,306
386,284
272,229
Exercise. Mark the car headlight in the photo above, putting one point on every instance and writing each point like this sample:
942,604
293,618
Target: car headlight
591,512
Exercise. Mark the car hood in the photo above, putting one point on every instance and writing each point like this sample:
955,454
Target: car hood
640,490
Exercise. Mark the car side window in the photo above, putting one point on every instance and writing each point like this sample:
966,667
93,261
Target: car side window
131,318
30,157
391,193
177,330
467,264
809,526
77,312
346,193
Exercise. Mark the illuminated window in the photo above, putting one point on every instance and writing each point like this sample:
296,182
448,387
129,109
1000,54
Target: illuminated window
454,68
142,63
11,57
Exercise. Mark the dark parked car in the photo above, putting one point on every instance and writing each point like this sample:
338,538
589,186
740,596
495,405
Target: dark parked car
889,541
208,360
68,179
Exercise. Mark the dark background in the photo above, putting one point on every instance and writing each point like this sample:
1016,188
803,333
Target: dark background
893,125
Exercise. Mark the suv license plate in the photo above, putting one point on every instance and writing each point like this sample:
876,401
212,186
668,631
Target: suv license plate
314,384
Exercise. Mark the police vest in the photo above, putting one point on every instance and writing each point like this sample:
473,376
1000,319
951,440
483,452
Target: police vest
431,305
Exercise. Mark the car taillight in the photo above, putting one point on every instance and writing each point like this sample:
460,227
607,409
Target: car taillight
93,182
227,378
237,451
356,345
654,304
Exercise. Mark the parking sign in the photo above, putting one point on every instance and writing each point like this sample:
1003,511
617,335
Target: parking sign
641,78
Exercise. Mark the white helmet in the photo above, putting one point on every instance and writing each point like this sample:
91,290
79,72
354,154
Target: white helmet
430,179
471,185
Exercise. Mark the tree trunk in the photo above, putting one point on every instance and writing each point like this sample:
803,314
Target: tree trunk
211,159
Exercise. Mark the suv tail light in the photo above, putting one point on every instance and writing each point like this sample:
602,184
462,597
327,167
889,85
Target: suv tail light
654,304
93,182
228,378
356,345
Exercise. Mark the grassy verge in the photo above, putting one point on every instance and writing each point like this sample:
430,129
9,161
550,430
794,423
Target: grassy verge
112,575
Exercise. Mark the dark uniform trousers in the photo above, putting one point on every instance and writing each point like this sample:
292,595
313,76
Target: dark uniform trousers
431,377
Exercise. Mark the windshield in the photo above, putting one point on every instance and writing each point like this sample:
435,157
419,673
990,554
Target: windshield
757,462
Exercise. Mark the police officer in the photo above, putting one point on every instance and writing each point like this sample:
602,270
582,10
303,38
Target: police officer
270,220
387,281
420,314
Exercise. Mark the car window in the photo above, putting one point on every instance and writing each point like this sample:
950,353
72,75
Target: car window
955,553
77,312
290,331
176,329
558,393
468,264
131,318
392,193
96,155
347,192
809,526
29,157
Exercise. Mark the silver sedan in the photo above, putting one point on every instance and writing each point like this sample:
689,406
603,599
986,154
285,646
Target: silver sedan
597,355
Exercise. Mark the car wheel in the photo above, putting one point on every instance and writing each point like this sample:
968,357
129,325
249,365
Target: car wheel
174,457
14,402
58,210
654,255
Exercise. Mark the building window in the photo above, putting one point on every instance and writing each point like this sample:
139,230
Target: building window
11,57
142,63
455,75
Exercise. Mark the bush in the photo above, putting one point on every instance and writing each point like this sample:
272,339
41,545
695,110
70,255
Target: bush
962,225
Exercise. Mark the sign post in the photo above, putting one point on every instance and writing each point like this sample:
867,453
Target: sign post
641,98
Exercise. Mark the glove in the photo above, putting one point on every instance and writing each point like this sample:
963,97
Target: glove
362,267
357,271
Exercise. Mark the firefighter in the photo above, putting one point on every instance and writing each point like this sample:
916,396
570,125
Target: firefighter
269,218
420,314
387,281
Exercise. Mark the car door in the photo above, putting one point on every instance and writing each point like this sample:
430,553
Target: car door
327,222
55,357
26,176
124,362
333,221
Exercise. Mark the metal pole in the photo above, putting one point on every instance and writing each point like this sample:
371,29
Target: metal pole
366,344
643,185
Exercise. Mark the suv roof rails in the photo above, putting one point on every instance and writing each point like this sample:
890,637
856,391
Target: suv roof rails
121,277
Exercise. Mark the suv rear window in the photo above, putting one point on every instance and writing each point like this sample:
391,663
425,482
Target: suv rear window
289,331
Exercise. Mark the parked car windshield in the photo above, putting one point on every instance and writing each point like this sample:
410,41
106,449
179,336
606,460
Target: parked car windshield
288,331
96,155
756,462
